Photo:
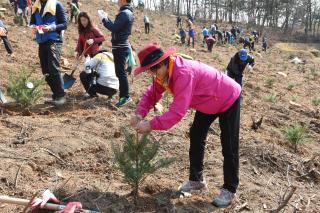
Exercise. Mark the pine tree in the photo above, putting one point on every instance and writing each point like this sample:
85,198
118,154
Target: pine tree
24,89
137,159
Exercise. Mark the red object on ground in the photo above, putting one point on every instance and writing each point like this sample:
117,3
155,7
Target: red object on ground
71,207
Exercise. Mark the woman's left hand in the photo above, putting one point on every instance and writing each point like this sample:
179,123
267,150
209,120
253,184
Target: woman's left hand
143,127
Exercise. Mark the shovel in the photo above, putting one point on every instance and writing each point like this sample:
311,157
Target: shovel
68,80
2,97
49,206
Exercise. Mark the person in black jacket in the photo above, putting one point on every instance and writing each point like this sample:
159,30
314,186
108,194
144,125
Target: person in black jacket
48,24
234,32
120,32
237,65
4,37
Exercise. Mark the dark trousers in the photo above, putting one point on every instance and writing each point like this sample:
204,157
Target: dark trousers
229,122
7,44
245,45
75,18
264,46
49,54
146,28
23,15
183,40
189,41
120,56
204,39
210,45
92,90
252,46
238,79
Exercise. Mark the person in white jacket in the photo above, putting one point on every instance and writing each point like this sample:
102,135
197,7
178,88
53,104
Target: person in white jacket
99,75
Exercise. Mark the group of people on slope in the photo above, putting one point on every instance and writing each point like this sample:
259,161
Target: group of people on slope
107,68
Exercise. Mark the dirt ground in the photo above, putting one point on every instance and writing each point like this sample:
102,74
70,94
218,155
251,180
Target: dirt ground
68,149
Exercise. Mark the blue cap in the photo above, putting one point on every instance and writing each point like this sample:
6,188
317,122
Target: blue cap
243,54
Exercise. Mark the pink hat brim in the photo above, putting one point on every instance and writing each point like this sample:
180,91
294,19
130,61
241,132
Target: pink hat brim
168,52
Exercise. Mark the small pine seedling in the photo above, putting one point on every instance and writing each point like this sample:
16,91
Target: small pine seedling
290,87
137,159
295,98
270,82
316,102
314,73
296,135
271,98
24,89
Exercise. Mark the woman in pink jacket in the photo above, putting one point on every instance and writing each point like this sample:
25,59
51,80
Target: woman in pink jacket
211,93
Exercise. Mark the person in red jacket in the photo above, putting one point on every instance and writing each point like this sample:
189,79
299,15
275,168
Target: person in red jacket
89,35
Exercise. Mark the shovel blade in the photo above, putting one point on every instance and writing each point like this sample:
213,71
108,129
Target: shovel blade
2,97
68,81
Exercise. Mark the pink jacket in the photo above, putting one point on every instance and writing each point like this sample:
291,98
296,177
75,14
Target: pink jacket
193,84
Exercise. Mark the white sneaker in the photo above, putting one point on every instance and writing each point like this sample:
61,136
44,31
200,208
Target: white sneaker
59,101
192,186
224,199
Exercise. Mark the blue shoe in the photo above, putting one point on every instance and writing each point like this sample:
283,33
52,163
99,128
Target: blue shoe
123,101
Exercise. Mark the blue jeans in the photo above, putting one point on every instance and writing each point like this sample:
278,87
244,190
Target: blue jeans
120,56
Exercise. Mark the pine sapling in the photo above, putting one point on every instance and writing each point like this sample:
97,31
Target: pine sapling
24,89
137,158
296,135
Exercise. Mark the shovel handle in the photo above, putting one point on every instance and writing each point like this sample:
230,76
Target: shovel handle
49,206
79,58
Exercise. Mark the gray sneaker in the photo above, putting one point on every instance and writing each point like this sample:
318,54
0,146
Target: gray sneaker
224,199
59,101
190,185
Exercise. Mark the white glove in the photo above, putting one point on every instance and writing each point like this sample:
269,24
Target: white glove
102,15
250,67
88,59
90,41
87,65
46,196
19,11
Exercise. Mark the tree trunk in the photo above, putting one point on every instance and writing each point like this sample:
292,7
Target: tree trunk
217,10
230,8
178,7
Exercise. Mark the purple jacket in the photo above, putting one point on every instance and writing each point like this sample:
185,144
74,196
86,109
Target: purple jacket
193,85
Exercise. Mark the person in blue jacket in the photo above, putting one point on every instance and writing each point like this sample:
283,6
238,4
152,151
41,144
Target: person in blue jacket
120,32
205,33
23,11
48,20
